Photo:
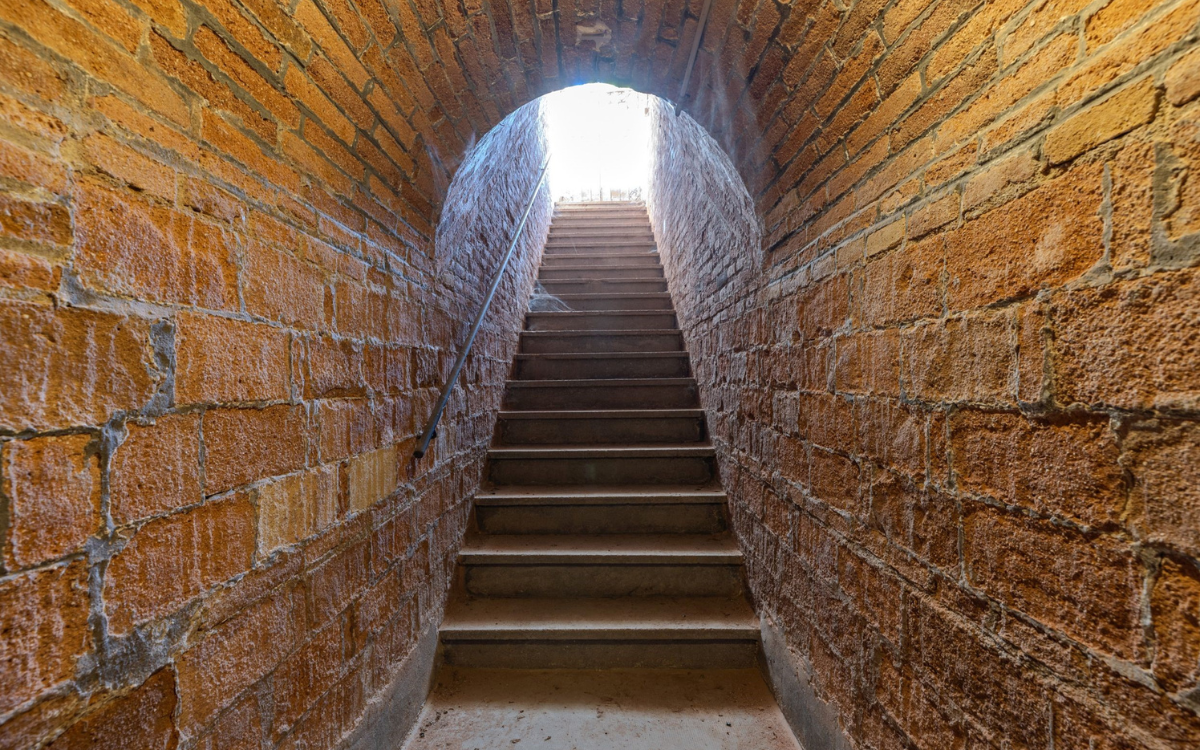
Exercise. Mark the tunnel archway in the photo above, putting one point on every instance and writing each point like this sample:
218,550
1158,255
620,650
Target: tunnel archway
952,390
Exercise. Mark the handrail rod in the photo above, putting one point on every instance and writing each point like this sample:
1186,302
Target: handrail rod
431,427
701,24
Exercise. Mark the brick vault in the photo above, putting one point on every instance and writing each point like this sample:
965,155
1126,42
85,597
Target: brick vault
934,262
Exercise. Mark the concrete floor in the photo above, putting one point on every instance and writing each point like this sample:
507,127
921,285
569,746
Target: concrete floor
631,709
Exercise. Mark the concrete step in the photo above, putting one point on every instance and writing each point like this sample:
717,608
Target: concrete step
678,463
607,709
618,301
600,272
591,320
601,224
646,340
558,260
599,209
623,426
559,233
580,566
631,393
626,509
673,632
559,287
598,247
605,365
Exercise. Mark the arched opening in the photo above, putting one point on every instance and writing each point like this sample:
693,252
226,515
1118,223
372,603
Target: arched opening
954,402
600,142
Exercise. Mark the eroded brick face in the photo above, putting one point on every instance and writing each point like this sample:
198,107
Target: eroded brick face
947,346
224,319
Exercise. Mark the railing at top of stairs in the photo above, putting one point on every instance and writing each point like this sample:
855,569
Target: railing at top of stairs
431,426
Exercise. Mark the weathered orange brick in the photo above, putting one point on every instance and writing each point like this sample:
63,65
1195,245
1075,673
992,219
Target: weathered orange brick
75,41
868,362
823,307
1183,215
227,139
1129,344
1043,238
903,285
314,22
22,69
33,168
1175,613
333,368
1036,25
34,221
198,79
300,87
1114,18
38,125
278,286
1002,98
53,490
891,433
907,54
934,214
169,13
67,367
1032,345
245,445
21,271
124,163
1064,468
224,361
264,93
239,728
347,427
333,715
372,477
169,561
388,369
130,247
338,581
1089,587
967,358
1000,180
226,660
972,34
304,676
156,468
1163,460
297,506
1183,79
1116,115
885,237
1128,52
143,717
245,32
279,22
43,616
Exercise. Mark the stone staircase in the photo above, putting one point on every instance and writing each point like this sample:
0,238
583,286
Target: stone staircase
600,539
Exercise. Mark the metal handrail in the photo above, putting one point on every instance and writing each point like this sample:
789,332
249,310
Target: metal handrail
687,75
431,426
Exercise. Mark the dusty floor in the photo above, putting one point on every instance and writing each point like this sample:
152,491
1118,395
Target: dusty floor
634,709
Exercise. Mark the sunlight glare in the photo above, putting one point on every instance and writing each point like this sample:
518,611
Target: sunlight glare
599,140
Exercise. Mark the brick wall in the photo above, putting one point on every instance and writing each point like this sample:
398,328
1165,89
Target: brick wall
953,386
223,319
954,389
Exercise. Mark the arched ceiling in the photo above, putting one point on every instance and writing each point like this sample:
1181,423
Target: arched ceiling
463,66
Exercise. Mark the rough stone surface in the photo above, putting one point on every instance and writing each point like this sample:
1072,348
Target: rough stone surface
959,460
234,271
920,236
